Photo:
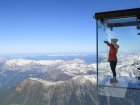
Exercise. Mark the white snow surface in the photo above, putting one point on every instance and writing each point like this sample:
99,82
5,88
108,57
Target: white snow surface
127,66
71,67
80,79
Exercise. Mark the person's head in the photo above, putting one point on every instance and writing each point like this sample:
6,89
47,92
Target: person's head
114,41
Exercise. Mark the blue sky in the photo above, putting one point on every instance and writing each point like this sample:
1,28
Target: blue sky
44,26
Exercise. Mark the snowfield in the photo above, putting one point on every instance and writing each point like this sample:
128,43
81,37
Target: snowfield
127,66
76,66
12,71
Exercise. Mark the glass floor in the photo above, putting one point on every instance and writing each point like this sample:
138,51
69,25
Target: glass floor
124,82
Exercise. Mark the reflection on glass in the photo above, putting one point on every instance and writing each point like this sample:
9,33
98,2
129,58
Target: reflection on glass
126,30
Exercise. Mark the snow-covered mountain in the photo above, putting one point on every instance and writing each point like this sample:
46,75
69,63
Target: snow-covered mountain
12,71
47,82
127,66
80,90
58,82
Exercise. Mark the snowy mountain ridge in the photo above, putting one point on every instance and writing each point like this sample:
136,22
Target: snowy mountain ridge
82,79
21,65
127,65
13,71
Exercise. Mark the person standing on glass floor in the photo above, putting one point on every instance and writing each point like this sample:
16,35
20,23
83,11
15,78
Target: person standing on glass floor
113,57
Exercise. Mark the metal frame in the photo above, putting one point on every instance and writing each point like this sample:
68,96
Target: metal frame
97,48
118,14
135,23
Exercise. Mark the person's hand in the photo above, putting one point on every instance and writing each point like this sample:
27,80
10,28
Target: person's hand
105,41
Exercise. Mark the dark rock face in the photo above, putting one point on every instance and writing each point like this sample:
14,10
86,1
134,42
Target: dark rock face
34,92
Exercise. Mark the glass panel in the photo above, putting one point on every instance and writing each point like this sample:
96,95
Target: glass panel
103,65
128,56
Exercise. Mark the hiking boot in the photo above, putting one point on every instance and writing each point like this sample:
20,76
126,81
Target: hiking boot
113,80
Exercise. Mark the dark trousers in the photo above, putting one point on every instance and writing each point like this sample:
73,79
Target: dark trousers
113,67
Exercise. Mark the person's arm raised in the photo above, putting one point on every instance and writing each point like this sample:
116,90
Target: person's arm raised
108,43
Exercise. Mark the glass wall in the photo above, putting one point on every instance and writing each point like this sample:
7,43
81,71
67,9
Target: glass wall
126,30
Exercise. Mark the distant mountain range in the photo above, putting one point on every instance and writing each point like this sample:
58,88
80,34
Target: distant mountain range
88,58
25,81
12,71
